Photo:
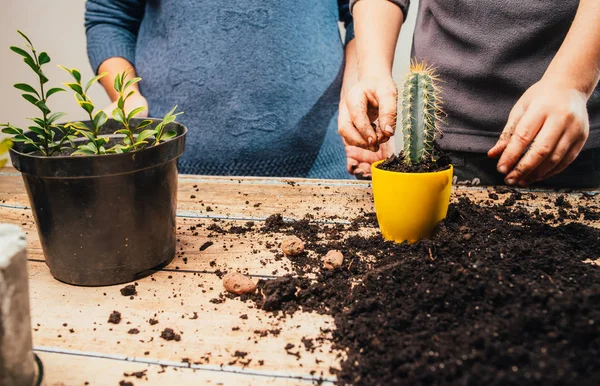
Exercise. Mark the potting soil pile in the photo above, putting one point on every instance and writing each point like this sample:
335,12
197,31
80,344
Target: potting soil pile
500,296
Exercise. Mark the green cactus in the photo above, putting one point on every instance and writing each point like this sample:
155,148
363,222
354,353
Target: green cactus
420,113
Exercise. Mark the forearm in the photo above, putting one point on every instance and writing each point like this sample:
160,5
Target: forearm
377,25
577,62
350,68
112,67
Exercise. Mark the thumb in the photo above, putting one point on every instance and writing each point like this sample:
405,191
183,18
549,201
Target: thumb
387,98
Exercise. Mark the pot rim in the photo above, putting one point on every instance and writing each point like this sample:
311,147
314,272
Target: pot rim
64,157
374,167
90,166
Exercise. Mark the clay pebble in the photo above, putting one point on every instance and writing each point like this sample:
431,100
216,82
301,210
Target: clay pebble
238,284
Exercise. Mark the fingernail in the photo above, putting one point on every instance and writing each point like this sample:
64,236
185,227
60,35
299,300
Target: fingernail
370,140
502,169
388,129
510,181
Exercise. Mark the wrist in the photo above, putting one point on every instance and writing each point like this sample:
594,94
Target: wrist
375,70
579,79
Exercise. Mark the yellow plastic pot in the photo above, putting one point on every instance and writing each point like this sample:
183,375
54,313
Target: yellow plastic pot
410,205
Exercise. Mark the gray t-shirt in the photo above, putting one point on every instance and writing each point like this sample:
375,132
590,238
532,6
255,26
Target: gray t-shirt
488,53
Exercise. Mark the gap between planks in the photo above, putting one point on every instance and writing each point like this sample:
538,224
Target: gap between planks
211,368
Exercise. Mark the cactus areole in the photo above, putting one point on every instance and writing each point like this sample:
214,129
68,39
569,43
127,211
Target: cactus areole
420,113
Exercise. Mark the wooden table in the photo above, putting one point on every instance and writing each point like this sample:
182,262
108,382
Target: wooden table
77,345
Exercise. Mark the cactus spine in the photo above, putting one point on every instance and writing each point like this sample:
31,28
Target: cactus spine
420,113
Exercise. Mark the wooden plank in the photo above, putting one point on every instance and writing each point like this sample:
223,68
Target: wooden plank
245,198
173,298
250,253
71,369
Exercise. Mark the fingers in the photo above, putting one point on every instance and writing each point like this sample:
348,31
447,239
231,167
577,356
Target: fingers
387,98
363,169
361,155
542,148
526,129
346,128
560,151
514,117
357,103
571,155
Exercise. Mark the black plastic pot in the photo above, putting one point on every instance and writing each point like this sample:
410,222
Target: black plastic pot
105,219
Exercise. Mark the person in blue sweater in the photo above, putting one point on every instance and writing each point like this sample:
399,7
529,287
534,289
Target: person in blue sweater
259,82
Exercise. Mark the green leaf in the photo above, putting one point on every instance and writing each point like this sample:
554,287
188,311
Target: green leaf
42,106
43,58
101,141
12,130
77,126
144,123
75,87
131,82
135,112
87,106
121,103
76,74
54,91
168,135
122,131
118,83
43,78
100,119
94,80
83,152
32,65
31,99
21,52
70,138
27,88
119,116
88,135
39,121
53,117
145,134
38,130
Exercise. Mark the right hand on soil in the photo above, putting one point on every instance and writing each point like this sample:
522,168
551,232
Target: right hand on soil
371,99
135,101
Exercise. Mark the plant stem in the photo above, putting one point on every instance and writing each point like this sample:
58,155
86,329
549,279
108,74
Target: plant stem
43,98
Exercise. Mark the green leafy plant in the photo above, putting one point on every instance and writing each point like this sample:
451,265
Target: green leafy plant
421,113
131,141
44,127
96,143
51,138
5,146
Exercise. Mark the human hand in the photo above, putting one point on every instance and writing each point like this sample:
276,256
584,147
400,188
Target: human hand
359,161
133,102
551,117
371,99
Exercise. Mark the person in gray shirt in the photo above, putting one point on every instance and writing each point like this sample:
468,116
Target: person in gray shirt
519,84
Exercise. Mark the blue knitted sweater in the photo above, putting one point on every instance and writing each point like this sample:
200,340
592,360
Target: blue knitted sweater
258,80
